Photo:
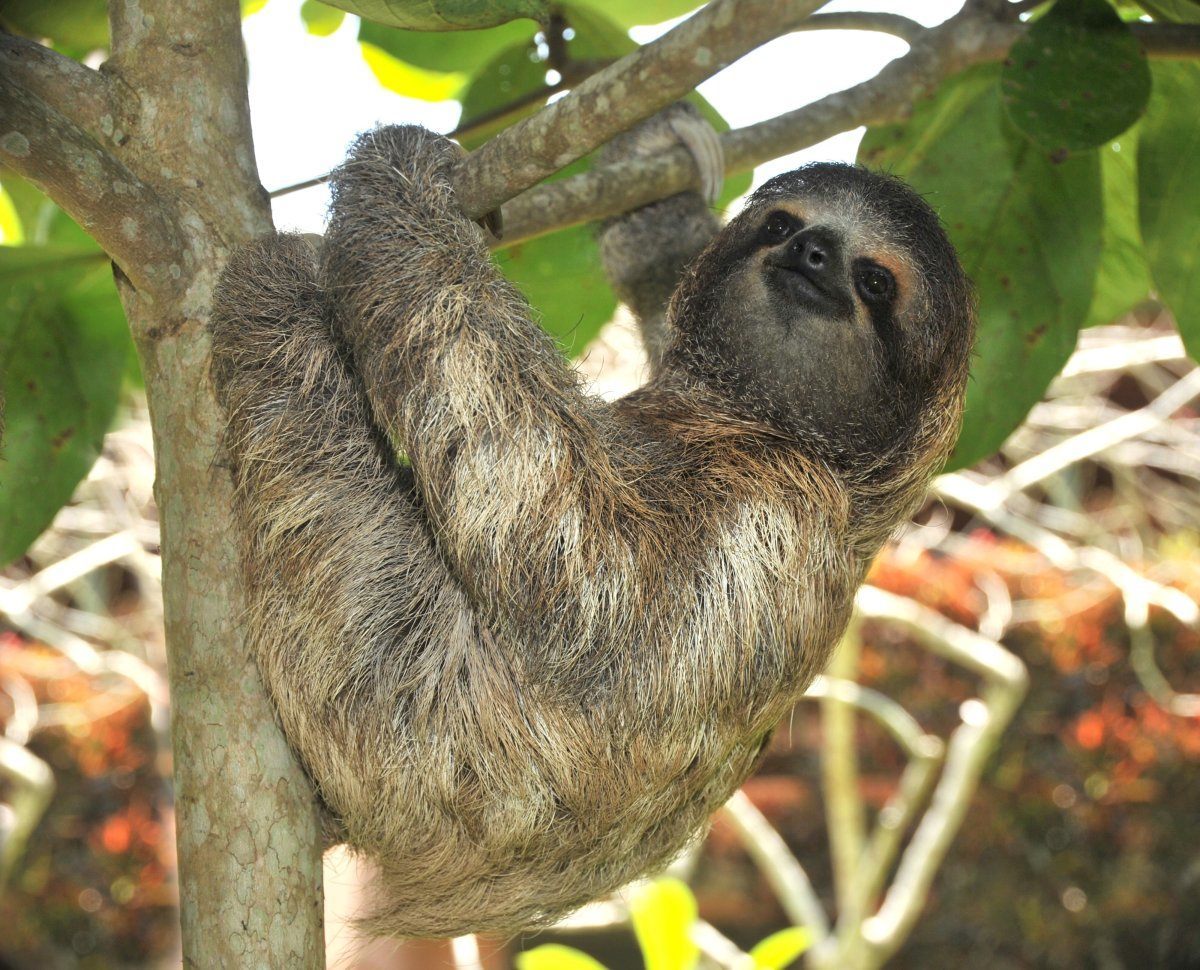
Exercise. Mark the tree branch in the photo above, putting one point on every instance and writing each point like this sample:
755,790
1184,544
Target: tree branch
619,96
966,39
116,208
75,91
895,24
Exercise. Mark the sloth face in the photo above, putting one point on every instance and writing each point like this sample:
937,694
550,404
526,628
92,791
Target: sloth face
831,307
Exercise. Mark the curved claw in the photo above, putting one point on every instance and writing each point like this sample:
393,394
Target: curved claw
704,144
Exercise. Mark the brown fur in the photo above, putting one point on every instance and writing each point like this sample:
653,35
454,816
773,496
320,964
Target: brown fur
524,662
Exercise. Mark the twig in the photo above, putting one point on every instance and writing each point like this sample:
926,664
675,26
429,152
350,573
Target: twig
719,948
892,716
897,25
1095,440
109,549
844,811
944,637
616,98
31,786
971,744
780,868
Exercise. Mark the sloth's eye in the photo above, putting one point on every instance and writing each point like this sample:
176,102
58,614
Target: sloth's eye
778,225
875,284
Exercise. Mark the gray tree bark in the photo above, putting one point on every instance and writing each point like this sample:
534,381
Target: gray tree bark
152,154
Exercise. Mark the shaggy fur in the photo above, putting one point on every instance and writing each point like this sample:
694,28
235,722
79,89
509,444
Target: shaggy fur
526,642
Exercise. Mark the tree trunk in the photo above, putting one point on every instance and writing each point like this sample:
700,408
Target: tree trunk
247,826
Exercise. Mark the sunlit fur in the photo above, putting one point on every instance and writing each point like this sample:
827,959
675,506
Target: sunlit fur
526,661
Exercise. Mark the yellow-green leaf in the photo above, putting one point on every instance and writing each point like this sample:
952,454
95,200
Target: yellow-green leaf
781,949
555,956
663,913
320,18
11,232
412,82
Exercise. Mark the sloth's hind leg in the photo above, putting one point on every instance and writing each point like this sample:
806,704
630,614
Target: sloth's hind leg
349,608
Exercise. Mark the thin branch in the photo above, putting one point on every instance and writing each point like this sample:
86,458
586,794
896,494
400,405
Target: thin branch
780,868
619,96
839,778
961,42
971,744
1096,440
897,25
118,210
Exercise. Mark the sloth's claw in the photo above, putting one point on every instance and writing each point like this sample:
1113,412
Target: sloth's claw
704,144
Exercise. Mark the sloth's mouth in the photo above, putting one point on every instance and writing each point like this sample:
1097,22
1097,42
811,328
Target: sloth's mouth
814,293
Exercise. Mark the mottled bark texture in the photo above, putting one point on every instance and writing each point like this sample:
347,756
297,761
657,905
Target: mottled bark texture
152,155
248,830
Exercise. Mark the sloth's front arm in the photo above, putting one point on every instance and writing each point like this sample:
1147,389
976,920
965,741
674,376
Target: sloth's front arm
514,463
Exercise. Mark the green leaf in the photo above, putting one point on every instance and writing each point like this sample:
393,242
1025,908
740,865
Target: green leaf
1027,231
1123,279
11,230
64,351
518,72
444,14
555,956
1169,193
663,913
631,13
42,222
251,7
561,277
1180,11
1077,79
320,18
457,51
410,81
781,949
79,24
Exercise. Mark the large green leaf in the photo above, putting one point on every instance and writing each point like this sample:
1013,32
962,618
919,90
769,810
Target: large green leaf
1027,231
459,51
444,14
1077,79
64,350
1169,193
1123,279
78,24
560,276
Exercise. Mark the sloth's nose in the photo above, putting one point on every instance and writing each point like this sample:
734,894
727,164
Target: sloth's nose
815,250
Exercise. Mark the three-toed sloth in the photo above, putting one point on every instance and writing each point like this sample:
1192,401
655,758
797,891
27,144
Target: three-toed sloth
525,641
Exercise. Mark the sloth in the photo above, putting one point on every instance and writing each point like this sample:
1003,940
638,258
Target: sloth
524,641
